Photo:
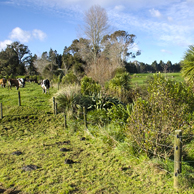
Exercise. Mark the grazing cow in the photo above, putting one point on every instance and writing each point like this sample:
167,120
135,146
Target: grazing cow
45,84
13,82
3,82
21,82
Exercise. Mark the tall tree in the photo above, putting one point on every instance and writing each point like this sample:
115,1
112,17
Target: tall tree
48,64
23,54
72,60
168,66
41,62
96,26
30,67
142,67
117,46
8,62
176,67
155,66
14,58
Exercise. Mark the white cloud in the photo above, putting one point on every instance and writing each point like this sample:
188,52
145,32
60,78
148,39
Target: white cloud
78,5
39,34
19,34
155,13
174,27
166,51
3,45
169,30
119,8
170,19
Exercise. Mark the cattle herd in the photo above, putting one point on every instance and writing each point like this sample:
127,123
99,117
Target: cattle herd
20,83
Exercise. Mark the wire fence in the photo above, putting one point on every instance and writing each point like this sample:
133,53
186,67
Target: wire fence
179,161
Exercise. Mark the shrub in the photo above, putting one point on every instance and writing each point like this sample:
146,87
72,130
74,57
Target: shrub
165,109
89,86
119,113
70,78
120,86
97,117
103,102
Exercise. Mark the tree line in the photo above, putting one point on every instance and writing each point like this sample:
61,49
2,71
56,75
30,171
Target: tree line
140,67
17,59
98,54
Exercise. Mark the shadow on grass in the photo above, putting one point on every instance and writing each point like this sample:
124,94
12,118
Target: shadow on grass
9,191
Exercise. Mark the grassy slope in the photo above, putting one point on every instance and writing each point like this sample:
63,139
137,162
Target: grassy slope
40,135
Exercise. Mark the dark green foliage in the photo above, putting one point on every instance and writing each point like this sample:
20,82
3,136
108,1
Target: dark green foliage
103,102
131,67
31,69
70,78
120,82
97,117
89,86
83,101
120,86
13,59
71,61
119,114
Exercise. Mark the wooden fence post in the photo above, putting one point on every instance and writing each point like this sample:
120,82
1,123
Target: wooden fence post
56,108
65,120
58,85
1,110
177,156
54,105
19,99
85,117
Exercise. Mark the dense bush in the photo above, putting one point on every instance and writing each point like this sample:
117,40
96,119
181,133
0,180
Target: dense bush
70,78
166,108
120,87
89,86
119,113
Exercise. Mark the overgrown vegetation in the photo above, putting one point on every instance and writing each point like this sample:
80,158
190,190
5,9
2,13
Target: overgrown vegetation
126,146
130,139
120,126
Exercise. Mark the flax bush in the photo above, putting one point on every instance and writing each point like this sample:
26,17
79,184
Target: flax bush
120,87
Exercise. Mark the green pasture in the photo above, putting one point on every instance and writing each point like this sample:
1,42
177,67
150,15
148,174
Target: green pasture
97,166
31,97
140,79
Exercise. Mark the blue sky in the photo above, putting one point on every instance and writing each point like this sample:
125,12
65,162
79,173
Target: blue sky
164,29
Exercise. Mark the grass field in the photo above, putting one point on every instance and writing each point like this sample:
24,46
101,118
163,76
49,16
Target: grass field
140,79
71,160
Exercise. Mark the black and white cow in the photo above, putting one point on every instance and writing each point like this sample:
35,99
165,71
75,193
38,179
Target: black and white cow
45,84
21,82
